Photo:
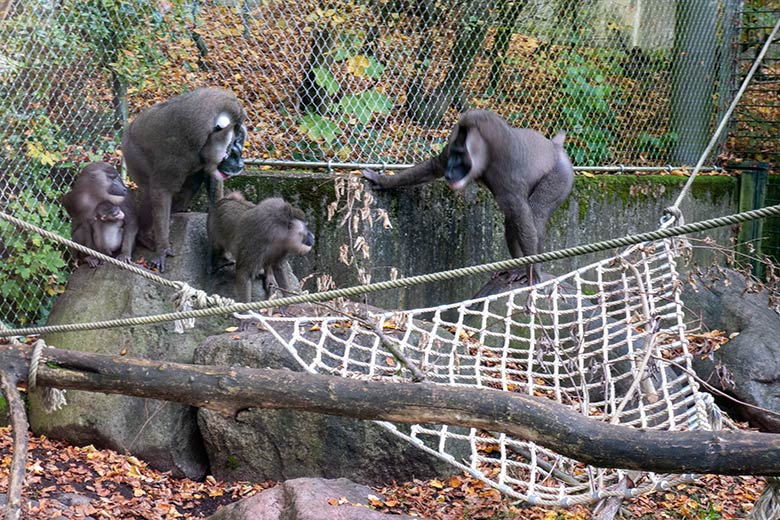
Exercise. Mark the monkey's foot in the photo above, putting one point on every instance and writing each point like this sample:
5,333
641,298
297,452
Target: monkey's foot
93,261
159,262
519,274
124,258
250,324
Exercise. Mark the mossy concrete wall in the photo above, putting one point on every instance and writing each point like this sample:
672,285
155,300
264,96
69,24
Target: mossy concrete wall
435,229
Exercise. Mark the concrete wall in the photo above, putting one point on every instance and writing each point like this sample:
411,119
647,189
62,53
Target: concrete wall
435,229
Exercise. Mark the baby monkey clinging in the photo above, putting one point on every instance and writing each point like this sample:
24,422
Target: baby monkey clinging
258,237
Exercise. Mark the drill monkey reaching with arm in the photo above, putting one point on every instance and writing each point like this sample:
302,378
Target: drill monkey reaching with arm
529,175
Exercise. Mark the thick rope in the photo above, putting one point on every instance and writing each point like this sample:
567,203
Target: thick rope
74,245
463,272
182,299
52,398
670,212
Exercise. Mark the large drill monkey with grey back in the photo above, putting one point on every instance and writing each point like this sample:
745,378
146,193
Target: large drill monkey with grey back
175,146
529,175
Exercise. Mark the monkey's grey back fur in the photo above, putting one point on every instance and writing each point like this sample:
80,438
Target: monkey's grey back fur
258,237
174,147
169,135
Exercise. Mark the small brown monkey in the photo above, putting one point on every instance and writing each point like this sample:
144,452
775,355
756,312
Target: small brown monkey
175,146
98,185
258,237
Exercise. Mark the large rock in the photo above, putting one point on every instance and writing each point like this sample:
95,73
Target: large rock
748,365
284,444
162,433
307,499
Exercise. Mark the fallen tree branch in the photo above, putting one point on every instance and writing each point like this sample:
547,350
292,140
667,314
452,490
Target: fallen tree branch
230,390
13,508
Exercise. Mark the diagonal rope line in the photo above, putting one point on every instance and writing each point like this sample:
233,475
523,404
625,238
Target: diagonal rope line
463,272
26,226
724,120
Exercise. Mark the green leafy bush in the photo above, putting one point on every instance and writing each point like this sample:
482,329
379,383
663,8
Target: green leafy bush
351,108
587,111
33,269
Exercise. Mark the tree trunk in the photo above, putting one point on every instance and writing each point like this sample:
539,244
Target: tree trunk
229,390
429,109
313,96
509,11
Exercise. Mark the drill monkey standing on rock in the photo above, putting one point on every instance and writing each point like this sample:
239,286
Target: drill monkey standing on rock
173,147
258,237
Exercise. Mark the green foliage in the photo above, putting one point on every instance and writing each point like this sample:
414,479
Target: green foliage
356,109
317,127
324,78
33,269
656,145
232,462
3,411
125,36
587,112
119,41
363,106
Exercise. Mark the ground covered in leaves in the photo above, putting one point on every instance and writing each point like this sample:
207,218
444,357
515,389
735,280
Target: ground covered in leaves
70,482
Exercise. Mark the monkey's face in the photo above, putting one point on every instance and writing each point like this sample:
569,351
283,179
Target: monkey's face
221,154
467,158
106,212
301,239
108,182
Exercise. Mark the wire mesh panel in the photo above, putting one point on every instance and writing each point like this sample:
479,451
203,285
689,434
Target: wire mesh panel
755,134
636,83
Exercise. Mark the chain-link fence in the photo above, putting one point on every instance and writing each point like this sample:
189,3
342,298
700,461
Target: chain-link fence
636,83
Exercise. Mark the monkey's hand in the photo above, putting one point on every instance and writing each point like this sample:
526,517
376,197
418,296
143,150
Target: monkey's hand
124,258
93,261
375,177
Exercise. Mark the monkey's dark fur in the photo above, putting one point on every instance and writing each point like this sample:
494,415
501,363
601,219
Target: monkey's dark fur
258,237
175,146
97,185
529,175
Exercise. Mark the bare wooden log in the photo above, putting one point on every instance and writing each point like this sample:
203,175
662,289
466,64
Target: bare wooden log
19,425
230,390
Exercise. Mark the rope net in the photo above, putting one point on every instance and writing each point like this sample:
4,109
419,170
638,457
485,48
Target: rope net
607,340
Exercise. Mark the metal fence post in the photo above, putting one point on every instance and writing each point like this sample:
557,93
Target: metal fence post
752,195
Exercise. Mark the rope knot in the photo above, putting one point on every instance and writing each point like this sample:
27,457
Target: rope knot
672,215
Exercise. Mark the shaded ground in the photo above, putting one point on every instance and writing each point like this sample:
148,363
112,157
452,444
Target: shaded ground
76,482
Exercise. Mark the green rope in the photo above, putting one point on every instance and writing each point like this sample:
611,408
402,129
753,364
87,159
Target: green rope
412,280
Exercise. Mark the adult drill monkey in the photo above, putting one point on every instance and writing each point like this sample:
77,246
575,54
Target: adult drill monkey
173,147
529,175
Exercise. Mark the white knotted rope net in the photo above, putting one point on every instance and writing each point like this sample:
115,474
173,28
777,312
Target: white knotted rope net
607,340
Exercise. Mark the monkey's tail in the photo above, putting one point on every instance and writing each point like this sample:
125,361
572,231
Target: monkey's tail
559,138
